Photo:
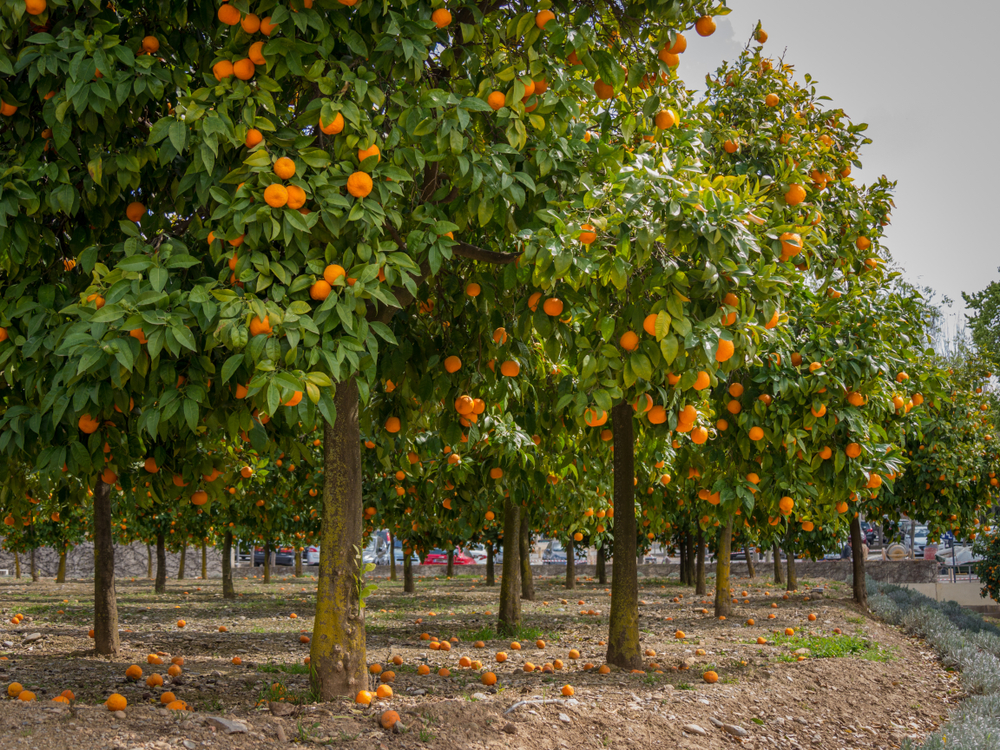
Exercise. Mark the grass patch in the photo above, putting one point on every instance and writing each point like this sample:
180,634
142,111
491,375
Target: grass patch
832,647
490,634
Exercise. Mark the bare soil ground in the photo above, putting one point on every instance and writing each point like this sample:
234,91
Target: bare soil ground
867,687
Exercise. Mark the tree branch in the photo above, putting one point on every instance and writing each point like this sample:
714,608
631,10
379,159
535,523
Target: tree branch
465,250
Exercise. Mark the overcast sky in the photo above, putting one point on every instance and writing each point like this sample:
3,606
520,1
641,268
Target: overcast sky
924,79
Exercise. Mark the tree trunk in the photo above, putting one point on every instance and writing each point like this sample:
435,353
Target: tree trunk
602,565
691,558
450,570
750,569
524,547
298,561
701,587
723,604
105,598
392,560
228,590
183,561
149,562
34,568
338,657
267,563
408,586
571,564
509,620
490,566
204,561
160,587
858,555
61,574
793,581
682,549
779,574
17,565
623,624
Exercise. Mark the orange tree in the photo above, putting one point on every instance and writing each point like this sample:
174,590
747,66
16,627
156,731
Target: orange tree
319,153
951,478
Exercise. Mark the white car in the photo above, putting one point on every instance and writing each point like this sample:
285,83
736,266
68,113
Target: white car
477,553
310,556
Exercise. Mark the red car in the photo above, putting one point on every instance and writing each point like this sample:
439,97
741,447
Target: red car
440,557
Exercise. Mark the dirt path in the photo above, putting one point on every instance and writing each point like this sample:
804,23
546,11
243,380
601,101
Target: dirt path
864,687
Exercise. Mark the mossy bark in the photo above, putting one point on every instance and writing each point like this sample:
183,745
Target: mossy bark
160,586
524,556
602,565
298,561
105,596
450,570
623,626
149,562
701,586
182,563
779,573
17,565
409,586
723,606
338,655
570,563
34,568
204,561
61,573
490,565
509,619
228,590
858,562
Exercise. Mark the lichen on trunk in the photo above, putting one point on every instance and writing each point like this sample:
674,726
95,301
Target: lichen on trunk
105,597
182,562
623,625
204,561
338,660
298,561
509,619
723,606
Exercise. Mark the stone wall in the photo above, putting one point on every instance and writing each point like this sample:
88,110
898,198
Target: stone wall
130,562
901,571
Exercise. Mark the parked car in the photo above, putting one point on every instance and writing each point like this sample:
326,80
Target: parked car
282,555
440,557
555,554
477,553
397,552
310,555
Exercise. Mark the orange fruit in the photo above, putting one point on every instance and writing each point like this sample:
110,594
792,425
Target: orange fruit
334,127
441,17
275,195
629,341
222,69
244,69
359,184
284,168
373,150
543,17
705,26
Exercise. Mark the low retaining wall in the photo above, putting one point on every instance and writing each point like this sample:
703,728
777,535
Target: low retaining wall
131,561
891,571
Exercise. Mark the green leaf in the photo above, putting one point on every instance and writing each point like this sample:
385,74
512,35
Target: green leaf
178,135
642,366
191,413
231,366
668,347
